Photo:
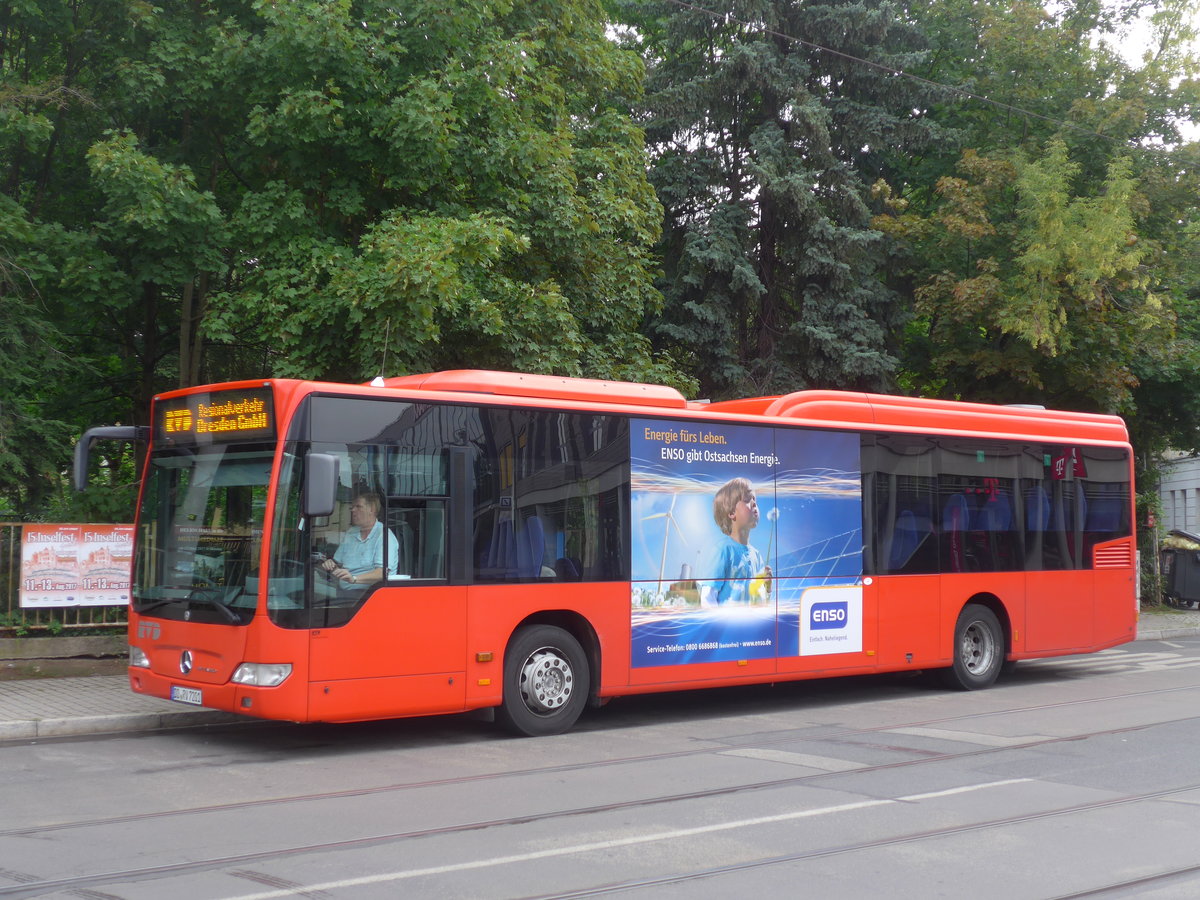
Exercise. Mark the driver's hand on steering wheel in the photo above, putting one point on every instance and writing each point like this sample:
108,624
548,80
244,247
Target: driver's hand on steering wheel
336,569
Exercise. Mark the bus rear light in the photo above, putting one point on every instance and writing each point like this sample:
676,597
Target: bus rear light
138,658
262,674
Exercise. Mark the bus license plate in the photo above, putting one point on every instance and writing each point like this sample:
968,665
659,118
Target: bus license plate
186,695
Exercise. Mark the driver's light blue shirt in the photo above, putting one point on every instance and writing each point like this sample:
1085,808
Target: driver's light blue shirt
358,554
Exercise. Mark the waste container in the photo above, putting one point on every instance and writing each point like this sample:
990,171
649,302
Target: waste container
1179,558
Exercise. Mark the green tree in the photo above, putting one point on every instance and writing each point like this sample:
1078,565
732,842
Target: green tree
28,347
772,268
443,189
1039,292
99,281
196,191
1167,393
1039,256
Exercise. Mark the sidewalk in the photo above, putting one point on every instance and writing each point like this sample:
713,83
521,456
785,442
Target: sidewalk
104,704
96,704
1165,623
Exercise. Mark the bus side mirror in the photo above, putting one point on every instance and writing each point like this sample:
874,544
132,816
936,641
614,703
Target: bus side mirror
320,484
131,434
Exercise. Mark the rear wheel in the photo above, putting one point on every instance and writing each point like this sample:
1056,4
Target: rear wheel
545,682
978,649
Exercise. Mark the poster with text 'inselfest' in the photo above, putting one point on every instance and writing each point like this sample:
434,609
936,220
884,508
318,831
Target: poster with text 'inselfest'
75,565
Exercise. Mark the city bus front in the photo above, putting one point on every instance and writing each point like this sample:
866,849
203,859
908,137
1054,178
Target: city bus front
196,635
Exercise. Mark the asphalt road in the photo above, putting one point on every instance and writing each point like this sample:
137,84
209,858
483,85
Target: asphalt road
1070,778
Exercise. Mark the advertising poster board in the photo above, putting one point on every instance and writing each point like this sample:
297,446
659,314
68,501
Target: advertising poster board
747,542
75,565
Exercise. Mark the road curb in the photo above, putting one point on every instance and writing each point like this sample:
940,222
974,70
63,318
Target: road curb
119,723
1166,634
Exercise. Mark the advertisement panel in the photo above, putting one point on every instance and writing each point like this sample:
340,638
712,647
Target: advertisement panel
75,565
747,542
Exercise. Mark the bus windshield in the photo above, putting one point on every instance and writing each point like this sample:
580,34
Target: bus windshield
201,530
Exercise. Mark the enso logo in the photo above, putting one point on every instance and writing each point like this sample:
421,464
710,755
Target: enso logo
829,615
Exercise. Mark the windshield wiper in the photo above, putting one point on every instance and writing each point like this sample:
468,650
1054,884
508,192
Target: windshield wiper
158,604
208,599
195,597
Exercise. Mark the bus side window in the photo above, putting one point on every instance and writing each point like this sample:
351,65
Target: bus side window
419,528
956,526
531,550
999,534
1037,520
912,532
550,497
904,523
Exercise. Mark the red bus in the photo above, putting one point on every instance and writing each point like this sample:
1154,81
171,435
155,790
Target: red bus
321,552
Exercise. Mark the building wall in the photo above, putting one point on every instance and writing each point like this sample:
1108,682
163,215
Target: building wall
1180,495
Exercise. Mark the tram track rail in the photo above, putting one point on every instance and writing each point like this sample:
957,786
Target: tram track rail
27,886
759,741
895,840
31,889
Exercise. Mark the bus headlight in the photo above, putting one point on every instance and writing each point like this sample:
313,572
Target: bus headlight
138,657
262,674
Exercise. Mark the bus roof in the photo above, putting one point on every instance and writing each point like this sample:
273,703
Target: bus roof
852,410
846,408
889,411
553,387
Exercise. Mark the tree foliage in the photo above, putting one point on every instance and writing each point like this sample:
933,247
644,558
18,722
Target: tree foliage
761,142
748,196
195,191
1038,264
443,189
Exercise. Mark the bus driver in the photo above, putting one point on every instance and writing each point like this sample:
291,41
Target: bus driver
360,557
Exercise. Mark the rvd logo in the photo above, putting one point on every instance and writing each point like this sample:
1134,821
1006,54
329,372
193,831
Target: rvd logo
177,420
829,615
150,630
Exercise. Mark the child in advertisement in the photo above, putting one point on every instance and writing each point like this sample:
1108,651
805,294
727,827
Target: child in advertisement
738,574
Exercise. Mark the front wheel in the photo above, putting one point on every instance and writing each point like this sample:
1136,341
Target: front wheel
545,682
978,649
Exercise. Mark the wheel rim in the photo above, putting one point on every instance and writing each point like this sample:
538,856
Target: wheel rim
978,650
547,681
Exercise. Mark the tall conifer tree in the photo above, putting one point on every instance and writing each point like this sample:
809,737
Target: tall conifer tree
767,127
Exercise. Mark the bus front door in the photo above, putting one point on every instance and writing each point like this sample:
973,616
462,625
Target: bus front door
399,654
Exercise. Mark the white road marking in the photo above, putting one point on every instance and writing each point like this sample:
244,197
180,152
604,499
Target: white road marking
965,789
385,877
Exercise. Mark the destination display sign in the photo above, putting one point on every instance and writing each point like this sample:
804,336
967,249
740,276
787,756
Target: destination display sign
217,417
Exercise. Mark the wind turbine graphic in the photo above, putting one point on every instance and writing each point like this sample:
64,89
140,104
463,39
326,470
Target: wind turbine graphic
669,515
773,518
759,585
